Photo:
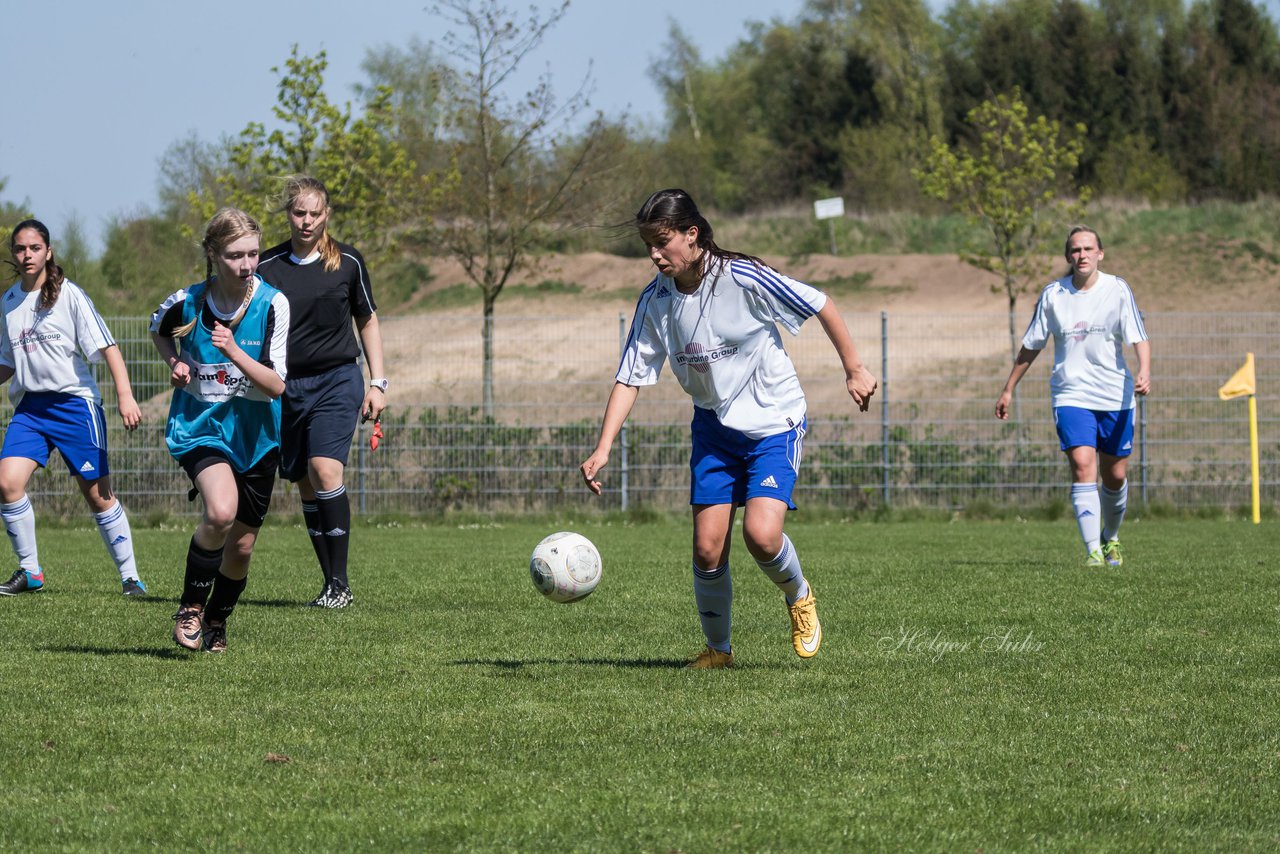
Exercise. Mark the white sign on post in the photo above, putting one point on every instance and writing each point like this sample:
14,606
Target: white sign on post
828,208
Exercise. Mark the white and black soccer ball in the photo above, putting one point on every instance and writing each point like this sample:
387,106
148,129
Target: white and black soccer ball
565,567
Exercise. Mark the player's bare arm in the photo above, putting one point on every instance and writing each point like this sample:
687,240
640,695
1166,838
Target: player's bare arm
375,399
858,380
1142,379
1020,365
130,412
621,399
179,371
262,376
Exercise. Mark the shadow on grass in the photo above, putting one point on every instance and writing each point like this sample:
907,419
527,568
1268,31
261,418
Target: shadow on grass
149,597
276,603
151,652
516,664
257,603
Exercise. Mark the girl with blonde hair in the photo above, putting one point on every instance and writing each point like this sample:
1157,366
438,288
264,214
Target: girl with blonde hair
225,341
327,284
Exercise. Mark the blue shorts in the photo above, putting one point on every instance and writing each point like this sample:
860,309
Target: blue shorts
729,467
50,419
1109,432
318,418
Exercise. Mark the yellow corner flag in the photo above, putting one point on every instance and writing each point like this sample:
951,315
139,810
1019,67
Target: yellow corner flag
1242,382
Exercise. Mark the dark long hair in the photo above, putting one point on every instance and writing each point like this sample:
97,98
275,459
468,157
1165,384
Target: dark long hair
674,209
54,277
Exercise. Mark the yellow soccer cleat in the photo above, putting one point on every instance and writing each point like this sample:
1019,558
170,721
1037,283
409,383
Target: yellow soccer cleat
1111,551
806,631
1095,559
711,659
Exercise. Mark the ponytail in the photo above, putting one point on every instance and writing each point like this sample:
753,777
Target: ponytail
52,287
329,252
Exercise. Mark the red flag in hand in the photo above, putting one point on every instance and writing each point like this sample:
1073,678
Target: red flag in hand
376,436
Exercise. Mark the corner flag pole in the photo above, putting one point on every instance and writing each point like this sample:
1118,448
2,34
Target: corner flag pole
1253,456
1242,383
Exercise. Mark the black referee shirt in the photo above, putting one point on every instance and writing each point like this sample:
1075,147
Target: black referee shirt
322,306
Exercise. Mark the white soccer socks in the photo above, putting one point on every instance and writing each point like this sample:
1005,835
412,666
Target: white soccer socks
713,594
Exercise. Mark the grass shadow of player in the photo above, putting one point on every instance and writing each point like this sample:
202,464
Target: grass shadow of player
514,664
161,652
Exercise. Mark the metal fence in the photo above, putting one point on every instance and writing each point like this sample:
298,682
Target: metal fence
930,439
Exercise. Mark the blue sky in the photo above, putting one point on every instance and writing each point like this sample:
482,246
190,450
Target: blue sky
103,87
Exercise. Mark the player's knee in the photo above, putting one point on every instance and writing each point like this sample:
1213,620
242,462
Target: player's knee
219,519
710,553
11,489
763,540
240,551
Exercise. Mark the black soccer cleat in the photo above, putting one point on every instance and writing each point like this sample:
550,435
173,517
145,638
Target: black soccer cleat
23,581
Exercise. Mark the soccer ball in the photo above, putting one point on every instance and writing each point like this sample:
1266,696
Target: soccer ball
565,567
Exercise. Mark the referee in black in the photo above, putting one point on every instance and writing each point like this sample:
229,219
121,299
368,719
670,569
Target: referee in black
327,284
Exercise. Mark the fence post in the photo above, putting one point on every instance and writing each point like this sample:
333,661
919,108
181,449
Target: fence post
884,408
360,459
622,436
1142,446
1142,435
361,462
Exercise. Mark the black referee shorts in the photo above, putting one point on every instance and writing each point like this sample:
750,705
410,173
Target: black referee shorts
318,418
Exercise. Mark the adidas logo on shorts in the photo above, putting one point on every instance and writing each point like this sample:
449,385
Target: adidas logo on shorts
769,482
88,466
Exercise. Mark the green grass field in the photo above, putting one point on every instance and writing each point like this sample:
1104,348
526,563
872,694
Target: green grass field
977,690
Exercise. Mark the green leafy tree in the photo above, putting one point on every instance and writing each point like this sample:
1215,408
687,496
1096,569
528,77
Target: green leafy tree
378,197
1132,167
413,74
11,214
146,258
523,168
73,253
902,45
1016,181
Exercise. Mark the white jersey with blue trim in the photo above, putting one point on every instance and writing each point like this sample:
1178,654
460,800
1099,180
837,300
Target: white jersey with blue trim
723,344
1089,330
44,346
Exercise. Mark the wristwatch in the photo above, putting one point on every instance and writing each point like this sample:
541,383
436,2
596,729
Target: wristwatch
379,384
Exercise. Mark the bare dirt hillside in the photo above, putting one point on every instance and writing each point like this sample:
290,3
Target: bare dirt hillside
910,283
434,346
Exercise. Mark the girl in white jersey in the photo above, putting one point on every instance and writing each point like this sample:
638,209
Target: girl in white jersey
48,323
1090,315
713,315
